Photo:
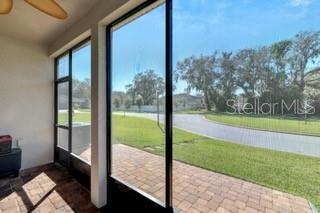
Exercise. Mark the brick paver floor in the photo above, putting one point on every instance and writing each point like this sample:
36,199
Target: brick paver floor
44,189
200,190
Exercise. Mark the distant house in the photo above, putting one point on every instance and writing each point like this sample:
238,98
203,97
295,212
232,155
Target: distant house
185,101
80,102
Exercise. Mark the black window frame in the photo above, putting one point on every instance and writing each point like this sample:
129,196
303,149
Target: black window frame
77,166
168,205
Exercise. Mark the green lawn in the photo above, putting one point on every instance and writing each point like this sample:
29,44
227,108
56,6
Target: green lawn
77,117
282,124
296,174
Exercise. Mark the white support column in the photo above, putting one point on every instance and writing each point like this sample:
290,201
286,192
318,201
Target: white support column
98,120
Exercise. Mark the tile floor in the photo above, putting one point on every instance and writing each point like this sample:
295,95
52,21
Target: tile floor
44,189
51,189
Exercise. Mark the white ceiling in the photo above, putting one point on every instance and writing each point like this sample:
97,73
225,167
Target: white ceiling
29,24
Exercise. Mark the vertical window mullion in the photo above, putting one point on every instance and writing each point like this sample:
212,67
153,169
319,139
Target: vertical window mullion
169,107
55,109
109,104
70,102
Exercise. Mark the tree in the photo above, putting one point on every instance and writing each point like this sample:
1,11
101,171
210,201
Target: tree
279,56
116,103
148,85
247,73
279,63
176,104
200,75
227,75
127,105
306,49
253,71
131,92
139,102
275,73
227,80
287,70
82,89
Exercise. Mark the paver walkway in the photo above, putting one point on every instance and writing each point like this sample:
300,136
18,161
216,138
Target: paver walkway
200,190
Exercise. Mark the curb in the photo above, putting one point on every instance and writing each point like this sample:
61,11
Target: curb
313,208
259,129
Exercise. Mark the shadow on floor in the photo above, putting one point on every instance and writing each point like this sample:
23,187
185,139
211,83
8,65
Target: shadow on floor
46,188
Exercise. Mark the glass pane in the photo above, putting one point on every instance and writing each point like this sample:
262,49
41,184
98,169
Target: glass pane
246,105
138,102
63,66
81,102
63,104
63,137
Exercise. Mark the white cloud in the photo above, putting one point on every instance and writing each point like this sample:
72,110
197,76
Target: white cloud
299,3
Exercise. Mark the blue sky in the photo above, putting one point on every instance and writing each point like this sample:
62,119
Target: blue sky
203,26
81,63
81,66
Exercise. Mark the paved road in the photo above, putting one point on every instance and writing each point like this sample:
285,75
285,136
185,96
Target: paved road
306,145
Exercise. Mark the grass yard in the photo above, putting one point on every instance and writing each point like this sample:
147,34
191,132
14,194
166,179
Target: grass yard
296,174
289,125
84,117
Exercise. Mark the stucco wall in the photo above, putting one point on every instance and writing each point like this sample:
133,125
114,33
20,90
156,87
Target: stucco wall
94,24
26,99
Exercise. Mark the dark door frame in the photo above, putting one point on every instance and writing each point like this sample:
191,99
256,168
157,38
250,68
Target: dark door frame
76,166
111,181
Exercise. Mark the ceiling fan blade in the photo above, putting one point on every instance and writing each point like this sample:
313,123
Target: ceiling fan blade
50,7
5,6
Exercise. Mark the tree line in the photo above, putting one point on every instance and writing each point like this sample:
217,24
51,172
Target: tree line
286,70
81,91
280,71
145,89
